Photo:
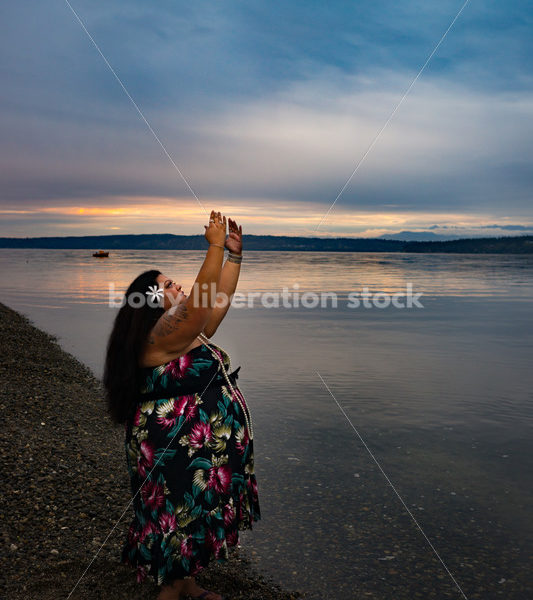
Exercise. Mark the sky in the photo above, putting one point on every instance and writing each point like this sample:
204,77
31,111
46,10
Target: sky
263,110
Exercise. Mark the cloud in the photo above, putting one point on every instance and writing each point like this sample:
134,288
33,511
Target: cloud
446,146
264,104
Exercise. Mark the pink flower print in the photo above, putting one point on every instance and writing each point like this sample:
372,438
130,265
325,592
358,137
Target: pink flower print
133,535
186,405
197,568
146,458
219,479
173,408
152,495
232,538
186,547
228,514
178,368
242,440
200,435
148,529
137,417
167,523
142,571
167,414
212,544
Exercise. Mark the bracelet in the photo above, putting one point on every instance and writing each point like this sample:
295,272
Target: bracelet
218,245
236,258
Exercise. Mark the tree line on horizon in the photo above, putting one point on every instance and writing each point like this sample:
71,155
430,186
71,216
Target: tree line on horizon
167,241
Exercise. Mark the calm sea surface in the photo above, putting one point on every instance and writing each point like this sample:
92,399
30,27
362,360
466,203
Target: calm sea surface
383,436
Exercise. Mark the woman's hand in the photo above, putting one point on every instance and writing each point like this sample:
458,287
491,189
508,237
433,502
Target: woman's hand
234,240
215,232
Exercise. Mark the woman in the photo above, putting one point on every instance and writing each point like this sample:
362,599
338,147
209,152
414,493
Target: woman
188,432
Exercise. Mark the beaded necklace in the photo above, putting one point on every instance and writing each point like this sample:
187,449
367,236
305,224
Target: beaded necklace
237,393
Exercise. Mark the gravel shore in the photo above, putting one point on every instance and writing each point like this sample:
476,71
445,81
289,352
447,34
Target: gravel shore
65,483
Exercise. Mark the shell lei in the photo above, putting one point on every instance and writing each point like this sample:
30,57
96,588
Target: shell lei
241,401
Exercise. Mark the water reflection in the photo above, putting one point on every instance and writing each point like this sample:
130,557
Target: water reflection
78,276
441,395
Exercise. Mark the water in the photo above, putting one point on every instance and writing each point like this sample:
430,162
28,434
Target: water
427,417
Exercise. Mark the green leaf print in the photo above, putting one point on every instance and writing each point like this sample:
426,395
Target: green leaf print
237,479
198,365
203,416
196,490
200,463
164,454
173,432
188,499
145,552
170,563
222,408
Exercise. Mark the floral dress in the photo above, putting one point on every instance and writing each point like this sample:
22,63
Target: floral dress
189,452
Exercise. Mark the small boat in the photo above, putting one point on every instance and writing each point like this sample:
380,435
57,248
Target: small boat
101,254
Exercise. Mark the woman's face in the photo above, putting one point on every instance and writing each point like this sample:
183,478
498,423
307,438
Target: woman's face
172,291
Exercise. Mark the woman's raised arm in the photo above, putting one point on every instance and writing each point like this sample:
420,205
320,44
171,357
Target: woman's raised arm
228,278
181,323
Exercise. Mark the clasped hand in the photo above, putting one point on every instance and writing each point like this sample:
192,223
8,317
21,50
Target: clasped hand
215,232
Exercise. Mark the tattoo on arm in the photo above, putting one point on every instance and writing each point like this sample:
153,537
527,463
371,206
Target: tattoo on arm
170,321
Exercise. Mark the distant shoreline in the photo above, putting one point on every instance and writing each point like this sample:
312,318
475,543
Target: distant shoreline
165,241
65,482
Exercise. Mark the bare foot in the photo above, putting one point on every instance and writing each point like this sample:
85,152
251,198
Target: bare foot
172,591
192,589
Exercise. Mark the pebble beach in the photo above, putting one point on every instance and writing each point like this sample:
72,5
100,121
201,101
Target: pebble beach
65,484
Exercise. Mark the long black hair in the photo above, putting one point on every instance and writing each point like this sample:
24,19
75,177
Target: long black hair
125,345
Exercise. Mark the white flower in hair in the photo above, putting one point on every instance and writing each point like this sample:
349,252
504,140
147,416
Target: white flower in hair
155,293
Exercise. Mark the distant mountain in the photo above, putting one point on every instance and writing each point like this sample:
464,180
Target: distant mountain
522,244
419,236
167,241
